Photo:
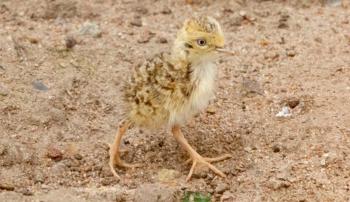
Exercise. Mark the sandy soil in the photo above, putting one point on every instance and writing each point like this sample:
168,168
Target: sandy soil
61,65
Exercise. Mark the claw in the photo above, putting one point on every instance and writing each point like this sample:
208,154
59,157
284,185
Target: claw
206,161
111,166
209,159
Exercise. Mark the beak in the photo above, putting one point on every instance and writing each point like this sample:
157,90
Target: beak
222,50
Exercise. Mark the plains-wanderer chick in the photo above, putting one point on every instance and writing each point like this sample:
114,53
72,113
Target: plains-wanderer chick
170,88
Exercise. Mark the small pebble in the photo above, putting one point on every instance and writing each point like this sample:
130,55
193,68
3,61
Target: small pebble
54,153
109,181
333,3
236,20
285,112
162,40
78,156
226,197
291,53
292,103
7,185
211,110
166,11
59,168
278,184
141,10
145,37
276,148
40,86
38,177
3,90
90,28
70,42
252,86
2,149
242,13
282,25
137,22
221,187
318,39
283,21
33,40
25,191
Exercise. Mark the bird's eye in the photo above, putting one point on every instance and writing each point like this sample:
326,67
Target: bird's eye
201,42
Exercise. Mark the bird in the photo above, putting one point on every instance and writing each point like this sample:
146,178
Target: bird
170,88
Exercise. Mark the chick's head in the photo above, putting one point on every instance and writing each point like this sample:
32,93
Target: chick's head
200,36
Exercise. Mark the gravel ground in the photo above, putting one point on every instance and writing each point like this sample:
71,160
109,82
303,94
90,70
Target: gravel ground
281,106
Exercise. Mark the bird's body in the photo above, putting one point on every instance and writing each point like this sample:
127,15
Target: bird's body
170,88
162,91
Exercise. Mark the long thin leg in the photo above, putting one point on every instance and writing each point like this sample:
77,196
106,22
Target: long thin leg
114,150
195,157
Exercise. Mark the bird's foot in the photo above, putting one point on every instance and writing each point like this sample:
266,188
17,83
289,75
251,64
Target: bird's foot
198,159
115,159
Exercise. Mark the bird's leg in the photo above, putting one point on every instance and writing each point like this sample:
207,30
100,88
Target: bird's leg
195,157
114,150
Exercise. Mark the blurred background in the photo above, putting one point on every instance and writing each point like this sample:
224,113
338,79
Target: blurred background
281,108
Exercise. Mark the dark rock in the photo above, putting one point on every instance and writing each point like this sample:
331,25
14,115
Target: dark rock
166,11
137,22
70,42
33,40
292,103
54,153
291,53
2,149
162,40
6,185
283,21
276,148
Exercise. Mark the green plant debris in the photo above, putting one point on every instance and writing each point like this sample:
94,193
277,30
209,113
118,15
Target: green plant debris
196,197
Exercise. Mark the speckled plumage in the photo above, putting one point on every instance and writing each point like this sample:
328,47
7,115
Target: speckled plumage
169,88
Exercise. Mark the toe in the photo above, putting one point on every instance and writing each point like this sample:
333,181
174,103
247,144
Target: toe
215,170
191,171
129,165
113,170
220,158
